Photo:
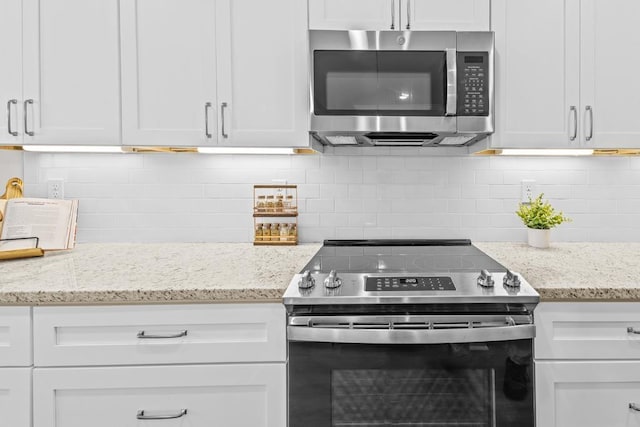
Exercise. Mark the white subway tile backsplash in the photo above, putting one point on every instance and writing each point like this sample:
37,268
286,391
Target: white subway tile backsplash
362,193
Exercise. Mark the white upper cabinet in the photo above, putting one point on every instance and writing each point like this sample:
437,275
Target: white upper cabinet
537,87
559,82
11,71
263,73
168,72
353,14
71,71
439,15
434,15
610,87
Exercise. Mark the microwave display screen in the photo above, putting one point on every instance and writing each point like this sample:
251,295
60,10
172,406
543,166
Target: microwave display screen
473,59
374,83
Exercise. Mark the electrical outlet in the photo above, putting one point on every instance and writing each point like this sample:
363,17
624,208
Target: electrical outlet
528,190
55,189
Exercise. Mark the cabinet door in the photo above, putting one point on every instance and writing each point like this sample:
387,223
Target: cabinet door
263,79
209,395
445,15
15,397
168,72
588,330
15,336
72,71
353,14
11,71
587,394
537,73
609,73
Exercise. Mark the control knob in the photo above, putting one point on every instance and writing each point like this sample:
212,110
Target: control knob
306,281
332,281
511,280
485,279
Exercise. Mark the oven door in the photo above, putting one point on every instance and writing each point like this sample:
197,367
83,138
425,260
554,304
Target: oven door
436,377
383,81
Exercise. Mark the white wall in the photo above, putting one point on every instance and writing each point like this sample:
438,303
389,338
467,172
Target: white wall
189,197
10,166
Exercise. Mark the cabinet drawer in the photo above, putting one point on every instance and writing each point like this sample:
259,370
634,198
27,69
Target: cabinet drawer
15,397
15,336
587,394
157,334
587,331
206,395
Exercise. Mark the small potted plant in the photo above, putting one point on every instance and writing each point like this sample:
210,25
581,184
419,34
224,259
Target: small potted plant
540,217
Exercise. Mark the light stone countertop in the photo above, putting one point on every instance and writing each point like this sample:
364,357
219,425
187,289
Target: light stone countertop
574,271
240,272
154,273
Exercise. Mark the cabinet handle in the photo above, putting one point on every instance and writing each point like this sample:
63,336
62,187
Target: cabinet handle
634,406
393,14
574,112
27,102
589,111
632,330
141,416
143,334
408,14
223,106
452,77
207,107
9,102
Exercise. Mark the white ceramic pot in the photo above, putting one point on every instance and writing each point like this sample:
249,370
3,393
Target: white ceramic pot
539,238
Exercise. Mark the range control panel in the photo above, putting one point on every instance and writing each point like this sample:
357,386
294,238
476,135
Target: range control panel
421,283
473,83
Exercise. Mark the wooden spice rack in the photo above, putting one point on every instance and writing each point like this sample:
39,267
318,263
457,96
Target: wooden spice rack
276,202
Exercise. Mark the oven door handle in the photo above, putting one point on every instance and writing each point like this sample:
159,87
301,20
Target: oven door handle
416,336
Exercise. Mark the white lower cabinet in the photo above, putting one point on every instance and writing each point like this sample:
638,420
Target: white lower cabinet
15,397
587,365
588,394
251,395
181,365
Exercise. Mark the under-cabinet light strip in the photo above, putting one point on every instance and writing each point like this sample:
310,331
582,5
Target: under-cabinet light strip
72,149
544,152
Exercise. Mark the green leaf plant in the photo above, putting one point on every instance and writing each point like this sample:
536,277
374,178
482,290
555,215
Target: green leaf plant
539,214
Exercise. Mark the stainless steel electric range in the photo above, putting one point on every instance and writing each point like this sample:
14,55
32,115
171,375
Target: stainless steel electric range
409,333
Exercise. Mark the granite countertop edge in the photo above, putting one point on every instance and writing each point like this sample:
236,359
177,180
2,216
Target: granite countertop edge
565,272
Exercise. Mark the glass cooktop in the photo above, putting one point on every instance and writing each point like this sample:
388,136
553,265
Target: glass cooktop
401,256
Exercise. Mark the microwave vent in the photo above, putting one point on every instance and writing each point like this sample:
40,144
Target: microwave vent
456,140
342,140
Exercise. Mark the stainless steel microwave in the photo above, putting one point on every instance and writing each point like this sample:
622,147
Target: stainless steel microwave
401,88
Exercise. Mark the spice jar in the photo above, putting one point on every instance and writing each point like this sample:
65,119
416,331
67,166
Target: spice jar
275,232
259,233
271,204
279,203
261,204
289,204
284,232
293,233
266,232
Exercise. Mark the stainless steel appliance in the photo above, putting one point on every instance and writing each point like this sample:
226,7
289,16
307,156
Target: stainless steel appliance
401,88
409,333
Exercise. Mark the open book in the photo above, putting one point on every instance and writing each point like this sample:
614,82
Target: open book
53,221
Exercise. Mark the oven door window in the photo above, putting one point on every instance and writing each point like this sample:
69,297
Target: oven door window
439,385
380,83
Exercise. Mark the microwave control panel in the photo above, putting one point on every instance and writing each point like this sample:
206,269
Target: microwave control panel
473,84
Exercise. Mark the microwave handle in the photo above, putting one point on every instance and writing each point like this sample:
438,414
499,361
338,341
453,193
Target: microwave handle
420,336
452,76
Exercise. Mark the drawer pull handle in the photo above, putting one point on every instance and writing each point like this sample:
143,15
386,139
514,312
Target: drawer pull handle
634,406
632,330
142,416
143,334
